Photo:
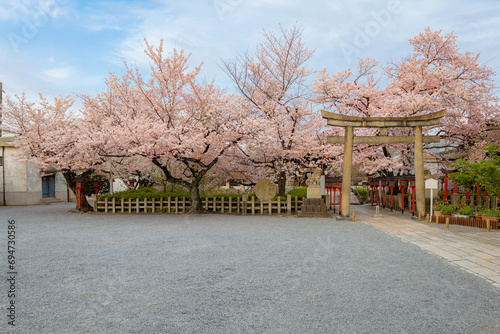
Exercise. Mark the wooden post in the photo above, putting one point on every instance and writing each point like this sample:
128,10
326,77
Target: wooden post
222,204
238,205
169,204
113,205
184,205
447,220
245,202
176,205
129,205
93,196
279,205
230,205
261,207
296,204
353,216
289,205
122,205
161,204
488,225
215,204
106,205
428,218
137,205
253,205
437,220
145,204
420,216
270,207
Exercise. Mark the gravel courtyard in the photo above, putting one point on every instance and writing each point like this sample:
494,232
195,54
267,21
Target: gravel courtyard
80,273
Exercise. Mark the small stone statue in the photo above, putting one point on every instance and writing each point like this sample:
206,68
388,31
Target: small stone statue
313,178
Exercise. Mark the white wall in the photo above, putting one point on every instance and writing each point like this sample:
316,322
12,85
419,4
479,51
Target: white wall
23,183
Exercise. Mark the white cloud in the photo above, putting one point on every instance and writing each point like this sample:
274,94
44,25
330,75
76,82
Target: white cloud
60,73
33,10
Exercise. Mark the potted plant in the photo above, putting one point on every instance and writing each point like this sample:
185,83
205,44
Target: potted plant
447,209
438,208
489,214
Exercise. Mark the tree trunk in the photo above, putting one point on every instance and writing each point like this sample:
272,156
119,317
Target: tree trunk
70,178
196,204
282,183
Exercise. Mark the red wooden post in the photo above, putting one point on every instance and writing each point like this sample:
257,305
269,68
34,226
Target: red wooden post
96,186
392,184
334,195
412,186
340,199
455,188
330,189
384,184
372,184
79,186
402,186
467,193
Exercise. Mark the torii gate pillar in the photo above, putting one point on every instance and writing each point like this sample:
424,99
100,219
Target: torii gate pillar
347,170
349,122
419,170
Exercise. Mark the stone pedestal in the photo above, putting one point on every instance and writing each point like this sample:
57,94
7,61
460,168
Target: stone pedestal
314,207
314,191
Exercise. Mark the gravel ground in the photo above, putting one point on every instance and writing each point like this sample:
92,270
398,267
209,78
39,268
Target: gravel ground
80,273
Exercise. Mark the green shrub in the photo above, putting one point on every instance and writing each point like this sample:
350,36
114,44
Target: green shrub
443,207
489,213
297,191
363,193
145,192
466,210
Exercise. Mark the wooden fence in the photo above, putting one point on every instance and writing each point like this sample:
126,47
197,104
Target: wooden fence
243,205
473,222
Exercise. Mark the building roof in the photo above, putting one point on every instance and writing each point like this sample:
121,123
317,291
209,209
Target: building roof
7,141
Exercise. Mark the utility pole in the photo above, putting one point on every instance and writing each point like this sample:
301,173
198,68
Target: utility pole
2,161
1,91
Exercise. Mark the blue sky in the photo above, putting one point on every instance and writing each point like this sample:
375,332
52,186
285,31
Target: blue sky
68,46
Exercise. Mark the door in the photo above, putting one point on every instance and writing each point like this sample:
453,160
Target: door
48,186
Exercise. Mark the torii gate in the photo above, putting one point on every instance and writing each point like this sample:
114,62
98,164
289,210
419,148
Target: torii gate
350,122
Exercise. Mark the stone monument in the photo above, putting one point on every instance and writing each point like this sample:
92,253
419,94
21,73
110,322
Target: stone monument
265,190
314,205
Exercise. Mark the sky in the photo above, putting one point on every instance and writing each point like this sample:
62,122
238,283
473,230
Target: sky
60,47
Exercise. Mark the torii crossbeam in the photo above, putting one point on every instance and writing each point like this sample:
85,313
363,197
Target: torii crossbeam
350,122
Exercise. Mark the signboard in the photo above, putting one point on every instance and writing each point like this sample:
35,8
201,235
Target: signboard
431,184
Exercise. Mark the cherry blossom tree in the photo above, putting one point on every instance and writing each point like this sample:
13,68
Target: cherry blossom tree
50,138
166,118
435,76
274,82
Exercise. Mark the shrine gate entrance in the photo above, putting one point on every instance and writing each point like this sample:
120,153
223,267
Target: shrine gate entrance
350,122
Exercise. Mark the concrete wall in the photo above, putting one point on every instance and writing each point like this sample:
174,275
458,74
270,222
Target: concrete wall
23,183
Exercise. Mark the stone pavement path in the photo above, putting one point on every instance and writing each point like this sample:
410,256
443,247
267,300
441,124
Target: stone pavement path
473,249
